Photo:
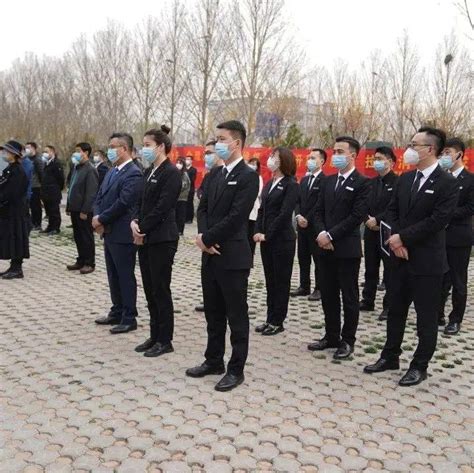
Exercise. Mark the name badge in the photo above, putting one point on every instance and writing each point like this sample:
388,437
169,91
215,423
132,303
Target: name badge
232,183
350,189
153,181
280,188
429,191
389,189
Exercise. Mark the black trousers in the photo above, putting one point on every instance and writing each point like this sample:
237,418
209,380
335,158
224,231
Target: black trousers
373,256
277,259
84,238
52,209
425,292
190,206
456,278
156,263
251,233
225,301
35,207
340,276
306,251
120,261
181,209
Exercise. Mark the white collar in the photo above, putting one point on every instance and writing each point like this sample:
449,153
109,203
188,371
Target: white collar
457,172
315,174
232,165
119,168
427,172
347,174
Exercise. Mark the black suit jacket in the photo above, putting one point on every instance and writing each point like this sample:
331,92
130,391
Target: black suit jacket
421,222
308,197
381,194
53,181
157,205
341,213
102,170
192,174
223,214
275,215
459,231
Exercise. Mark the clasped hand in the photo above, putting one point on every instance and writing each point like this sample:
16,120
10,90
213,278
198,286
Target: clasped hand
213,250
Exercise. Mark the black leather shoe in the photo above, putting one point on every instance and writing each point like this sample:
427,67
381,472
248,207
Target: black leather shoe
382,365
159,349
323,344
13,274
146,345
301,291
412,377
441,322
452,328
366,307
6,271
315,296
54,232
273,329
107,320
123,328
344,351
261,328
199,308
229,382
74,267
204,370
383,315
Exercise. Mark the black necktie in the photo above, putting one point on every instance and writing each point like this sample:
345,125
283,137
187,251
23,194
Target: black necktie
415,185
311,180
339,182
225,172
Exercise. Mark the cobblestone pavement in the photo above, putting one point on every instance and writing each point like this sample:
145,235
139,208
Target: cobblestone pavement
75,398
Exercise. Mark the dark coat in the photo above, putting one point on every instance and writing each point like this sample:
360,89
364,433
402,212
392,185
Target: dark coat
14,225
53,181
102,170
381,192
421,222
341,213
275,215
192,173
83,188
223,215
116,200
308,197
459,231
156,210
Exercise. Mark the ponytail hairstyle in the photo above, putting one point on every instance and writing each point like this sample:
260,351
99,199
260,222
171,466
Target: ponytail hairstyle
160,137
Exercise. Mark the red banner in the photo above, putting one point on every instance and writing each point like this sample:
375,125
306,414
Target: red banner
364,162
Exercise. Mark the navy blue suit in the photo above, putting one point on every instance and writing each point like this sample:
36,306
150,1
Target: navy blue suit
114,205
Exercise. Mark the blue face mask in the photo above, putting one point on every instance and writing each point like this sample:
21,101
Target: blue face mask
148,154
446,161
76,158
311,165
3,157
379,165
112,155
339,161
209,160
222,150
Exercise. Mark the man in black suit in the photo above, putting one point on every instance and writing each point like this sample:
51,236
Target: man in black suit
458,236
341,208
223,214
101,164
51,191
420,209
192,174
382,188
309,192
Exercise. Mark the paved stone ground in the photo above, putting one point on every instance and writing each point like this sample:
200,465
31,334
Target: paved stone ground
75,398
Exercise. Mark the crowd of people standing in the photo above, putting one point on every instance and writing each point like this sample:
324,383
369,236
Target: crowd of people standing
142,210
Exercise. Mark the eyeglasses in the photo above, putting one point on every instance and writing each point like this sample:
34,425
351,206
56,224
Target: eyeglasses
413,145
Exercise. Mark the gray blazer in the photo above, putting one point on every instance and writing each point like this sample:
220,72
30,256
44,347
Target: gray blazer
82,188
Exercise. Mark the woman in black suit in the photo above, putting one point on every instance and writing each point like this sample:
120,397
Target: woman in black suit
14,227
276,234
155,231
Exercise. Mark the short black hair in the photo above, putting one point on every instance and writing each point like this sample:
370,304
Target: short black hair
52,148
321,152
257,162
102,153
85,147
211,143
354,145
438,135
32,143
161,137
125,137
456,143
236,128
387,152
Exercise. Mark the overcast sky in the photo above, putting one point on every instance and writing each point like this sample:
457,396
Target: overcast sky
327,29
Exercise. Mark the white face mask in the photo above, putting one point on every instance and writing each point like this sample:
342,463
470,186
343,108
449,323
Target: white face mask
97,159
188,162
179,166
253,166
273,163
411,157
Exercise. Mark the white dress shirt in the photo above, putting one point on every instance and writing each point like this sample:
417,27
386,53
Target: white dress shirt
426,174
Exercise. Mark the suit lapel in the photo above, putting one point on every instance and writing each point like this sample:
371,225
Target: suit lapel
349,182
223,182
427,185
